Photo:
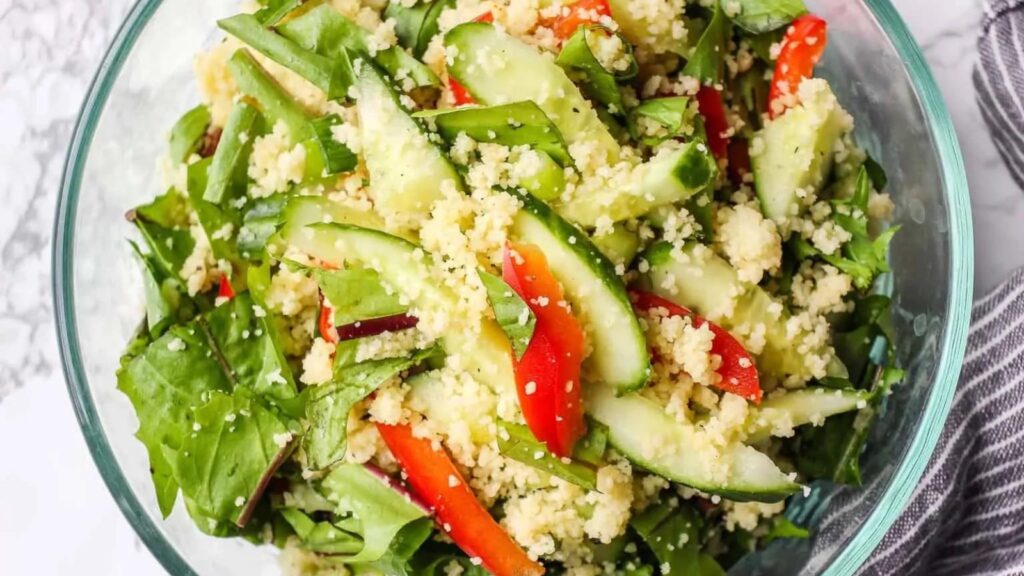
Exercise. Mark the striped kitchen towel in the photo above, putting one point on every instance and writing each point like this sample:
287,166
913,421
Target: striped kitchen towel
999,80
966,516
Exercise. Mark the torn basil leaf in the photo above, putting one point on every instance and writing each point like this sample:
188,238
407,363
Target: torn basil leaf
707,62
381,511
188,132
512,314
578,59
658,119
758,16
357,294
516,442
328,405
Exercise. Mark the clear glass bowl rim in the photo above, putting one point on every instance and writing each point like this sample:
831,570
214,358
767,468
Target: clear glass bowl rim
896,495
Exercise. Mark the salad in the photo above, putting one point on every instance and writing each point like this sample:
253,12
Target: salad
510,286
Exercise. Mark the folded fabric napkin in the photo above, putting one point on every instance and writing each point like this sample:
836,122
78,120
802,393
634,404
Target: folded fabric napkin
966,516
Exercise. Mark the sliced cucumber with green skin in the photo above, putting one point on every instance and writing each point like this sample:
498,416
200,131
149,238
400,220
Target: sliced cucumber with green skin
666,179
486,352
708,285
407,171
498,69
805,406
640,429
301,211
620,245
620,357
792,155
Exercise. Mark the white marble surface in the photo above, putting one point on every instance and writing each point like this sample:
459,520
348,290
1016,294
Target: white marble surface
56,516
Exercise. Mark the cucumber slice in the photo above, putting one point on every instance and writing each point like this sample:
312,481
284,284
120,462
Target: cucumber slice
650,438
302,211
805,406
620,245
498,69
665,179
792,155
515,124
407,171
486,353
620,357
708,285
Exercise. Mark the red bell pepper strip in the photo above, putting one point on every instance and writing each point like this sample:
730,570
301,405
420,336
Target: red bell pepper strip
739,375
375,326
739,160
716,125
460,96
224,290
548,374
580,13
486,17
802,48
326,322
434,478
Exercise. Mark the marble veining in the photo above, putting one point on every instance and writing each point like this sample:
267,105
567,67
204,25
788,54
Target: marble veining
57,517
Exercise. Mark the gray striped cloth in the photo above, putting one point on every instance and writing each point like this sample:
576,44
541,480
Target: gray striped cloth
966,516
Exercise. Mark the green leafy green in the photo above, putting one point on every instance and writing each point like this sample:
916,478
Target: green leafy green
397,560
227,176
232,450
516,442
164,226
673,536
321,537
752,89
327,32
273,101
516,124
600,84
759,16
276,10
336,157
592,447
246,340
675,113
163,296
328,405
218,223
332,75
876,173
863,258
261,220
415,25
357,294
707,62
438,566
783,527
512,314
188,132
380,510
832,451
164,382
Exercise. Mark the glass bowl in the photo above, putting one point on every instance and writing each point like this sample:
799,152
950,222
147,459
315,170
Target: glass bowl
878,71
